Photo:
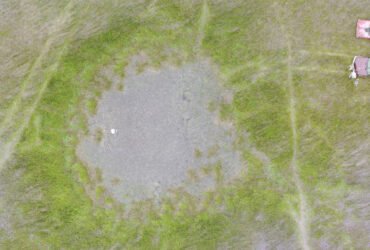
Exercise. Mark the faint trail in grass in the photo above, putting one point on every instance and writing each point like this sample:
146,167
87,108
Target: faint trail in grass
302,216
299,214
7,148
325,53
204,17
319,70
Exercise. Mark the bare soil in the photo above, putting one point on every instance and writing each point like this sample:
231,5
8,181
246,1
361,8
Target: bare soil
165,129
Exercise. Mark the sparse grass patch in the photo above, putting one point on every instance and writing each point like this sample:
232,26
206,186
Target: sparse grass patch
100,190
213,150
98,175
116,181
198,153
120,87
99,135
212,106
92,105
192,175
83,173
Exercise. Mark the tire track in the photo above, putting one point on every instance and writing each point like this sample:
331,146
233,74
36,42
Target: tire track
319,70
325,53
301,213
11,111
16,104
204,17
7,148
301,216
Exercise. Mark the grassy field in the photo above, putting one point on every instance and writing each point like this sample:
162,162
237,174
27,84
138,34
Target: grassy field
303,126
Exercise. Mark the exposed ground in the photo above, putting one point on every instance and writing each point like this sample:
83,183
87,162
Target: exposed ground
301,126
165,132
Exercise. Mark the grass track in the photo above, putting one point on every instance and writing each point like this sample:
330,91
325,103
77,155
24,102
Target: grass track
8,120
301,215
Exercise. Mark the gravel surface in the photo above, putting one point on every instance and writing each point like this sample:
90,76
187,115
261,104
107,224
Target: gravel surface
162,118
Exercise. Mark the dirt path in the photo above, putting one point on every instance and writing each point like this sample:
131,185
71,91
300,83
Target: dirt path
165,133
7,147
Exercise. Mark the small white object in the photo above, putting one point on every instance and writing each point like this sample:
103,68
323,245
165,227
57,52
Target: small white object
352,66
113,131
353,75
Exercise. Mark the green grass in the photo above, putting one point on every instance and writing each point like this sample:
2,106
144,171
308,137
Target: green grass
328,110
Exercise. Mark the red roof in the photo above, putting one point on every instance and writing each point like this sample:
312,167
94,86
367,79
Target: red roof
362,66
363,29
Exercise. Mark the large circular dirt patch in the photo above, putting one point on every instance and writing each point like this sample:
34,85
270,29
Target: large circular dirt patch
165,126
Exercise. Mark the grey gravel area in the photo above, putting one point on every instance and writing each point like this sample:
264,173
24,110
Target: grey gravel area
162,119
